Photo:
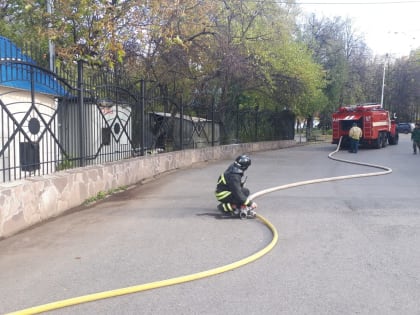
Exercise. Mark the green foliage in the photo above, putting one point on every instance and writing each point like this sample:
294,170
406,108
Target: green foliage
104,194
65,164
235,53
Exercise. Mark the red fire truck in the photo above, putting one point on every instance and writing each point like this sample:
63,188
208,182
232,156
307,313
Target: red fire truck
377,126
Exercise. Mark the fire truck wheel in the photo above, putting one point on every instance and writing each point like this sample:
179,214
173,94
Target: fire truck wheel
377,144
384,140
393,140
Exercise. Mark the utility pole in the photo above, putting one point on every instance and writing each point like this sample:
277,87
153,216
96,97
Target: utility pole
383,82
51,48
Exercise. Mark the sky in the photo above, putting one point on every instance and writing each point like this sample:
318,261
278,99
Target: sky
389,26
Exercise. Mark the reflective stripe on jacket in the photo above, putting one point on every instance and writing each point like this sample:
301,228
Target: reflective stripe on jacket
222,183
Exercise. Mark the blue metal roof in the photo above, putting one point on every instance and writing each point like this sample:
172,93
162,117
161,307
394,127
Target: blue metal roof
16,73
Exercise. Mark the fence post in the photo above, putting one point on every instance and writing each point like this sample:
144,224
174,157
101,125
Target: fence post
181,126
256,123
142,106
80,96
237,122
212,121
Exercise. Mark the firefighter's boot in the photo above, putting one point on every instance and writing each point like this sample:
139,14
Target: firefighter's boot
228,209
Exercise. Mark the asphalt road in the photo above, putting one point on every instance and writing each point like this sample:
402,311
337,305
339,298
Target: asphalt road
345,247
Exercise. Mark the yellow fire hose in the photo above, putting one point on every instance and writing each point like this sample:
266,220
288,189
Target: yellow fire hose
154,285
207,273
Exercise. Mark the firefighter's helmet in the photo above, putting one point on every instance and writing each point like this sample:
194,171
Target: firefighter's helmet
243,162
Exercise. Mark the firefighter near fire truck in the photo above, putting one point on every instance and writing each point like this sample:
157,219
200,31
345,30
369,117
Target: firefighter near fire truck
378,129
355,134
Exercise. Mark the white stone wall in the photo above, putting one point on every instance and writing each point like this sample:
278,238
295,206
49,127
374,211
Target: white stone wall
27,202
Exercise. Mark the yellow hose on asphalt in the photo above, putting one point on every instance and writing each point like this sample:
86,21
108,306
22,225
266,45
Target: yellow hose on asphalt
207,273
154,285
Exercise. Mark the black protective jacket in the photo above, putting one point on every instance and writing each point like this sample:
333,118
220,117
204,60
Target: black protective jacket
229,186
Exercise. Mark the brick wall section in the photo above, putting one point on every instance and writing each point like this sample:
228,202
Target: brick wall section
27,202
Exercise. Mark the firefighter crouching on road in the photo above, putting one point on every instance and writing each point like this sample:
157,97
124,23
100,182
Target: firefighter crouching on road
415,137
355,133
230,190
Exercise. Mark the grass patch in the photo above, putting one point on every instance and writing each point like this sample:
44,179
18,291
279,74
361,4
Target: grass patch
103,194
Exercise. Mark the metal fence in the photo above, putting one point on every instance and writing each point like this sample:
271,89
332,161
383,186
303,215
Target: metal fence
51,122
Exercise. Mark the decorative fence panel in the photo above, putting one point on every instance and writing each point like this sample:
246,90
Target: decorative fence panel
51,121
